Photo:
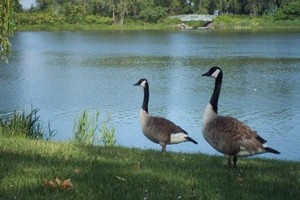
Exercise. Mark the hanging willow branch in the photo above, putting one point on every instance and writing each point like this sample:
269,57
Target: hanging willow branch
7,27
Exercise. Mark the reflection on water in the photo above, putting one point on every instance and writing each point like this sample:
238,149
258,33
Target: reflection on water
63,73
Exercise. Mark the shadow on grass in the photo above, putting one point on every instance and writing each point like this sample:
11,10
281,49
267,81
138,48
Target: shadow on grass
122,173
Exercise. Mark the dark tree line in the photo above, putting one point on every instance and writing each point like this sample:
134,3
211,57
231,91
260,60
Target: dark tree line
153,10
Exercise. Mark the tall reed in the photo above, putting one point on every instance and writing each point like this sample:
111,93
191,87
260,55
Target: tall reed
107,134
86,130
24,125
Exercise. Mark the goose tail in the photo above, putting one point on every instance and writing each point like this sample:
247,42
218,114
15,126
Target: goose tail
191,140
269,149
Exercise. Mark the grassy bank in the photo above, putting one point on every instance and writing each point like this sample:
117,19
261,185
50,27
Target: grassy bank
28,166
225,22
237,22
86,27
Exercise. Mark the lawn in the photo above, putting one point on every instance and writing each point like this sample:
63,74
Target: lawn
29,168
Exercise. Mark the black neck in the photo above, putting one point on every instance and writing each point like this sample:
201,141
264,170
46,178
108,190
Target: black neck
215,96
146,98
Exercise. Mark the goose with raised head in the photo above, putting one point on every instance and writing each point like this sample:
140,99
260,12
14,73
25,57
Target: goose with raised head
226,134
158,129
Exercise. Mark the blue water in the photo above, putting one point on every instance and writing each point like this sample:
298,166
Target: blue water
64,73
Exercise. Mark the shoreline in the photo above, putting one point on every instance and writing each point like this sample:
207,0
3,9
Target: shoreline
159,27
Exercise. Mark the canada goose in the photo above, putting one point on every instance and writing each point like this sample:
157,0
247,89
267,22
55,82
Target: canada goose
227,134
158,129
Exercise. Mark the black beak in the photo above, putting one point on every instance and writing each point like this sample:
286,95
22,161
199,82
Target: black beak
205,74
136,84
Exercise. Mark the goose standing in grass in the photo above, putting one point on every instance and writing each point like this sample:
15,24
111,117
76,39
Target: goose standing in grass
158,129
227,134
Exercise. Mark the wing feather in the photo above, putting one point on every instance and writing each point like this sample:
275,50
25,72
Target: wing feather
231,136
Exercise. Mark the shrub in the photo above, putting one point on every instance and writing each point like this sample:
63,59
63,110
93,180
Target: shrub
290,11
39,19
170,21
94,19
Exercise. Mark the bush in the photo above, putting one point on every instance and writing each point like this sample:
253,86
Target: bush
289,12
39,19
170,21
94,19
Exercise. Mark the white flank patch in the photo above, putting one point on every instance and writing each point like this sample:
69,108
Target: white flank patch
244,152
143,84
177,138
216,73
209,114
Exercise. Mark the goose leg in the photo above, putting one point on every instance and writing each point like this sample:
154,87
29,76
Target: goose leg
229,158
163,147
234,161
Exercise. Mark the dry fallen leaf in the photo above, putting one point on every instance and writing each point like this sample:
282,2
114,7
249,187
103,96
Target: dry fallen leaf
67,184
49,183
58,181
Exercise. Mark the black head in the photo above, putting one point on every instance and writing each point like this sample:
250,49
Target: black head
213,72
142,82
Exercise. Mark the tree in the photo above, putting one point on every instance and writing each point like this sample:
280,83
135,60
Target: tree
7,27
212,6
254,7
290,11
111,5
235,6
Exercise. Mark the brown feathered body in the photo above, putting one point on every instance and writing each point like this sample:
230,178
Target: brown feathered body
161,130
232,137
227,134
158,129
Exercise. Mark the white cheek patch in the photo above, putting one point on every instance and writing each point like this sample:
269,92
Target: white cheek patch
216,73
143,84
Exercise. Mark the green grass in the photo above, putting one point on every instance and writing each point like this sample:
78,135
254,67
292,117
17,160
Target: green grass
238,22
21,124
98,172
224,22
86,27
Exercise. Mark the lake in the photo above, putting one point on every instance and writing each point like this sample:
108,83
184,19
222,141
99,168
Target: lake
64,73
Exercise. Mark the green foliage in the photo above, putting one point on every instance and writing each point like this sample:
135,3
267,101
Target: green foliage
107,134
20,124
7,26
152,15
143,12
86,130
46,18
94,19
76,15
266,22
170,21
195,24
290,11
100,172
